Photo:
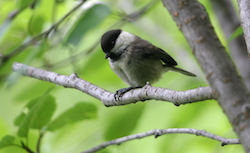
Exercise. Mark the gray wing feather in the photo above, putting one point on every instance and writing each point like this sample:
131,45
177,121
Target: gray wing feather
149,51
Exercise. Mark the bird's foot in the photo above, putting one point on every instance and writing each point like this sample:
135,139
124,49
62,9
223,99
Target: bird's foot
119,93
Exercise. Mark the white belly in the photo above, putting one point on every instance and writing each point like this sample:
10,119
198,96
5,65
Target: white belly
120,69
136,73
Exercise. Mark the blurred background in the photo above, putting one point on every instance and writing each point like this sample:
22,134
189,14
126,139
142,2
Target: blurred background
27,35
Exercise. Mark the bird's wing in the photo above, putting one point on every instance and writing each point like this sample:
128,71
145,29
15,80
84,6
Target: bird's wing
144,49
157,53
165,57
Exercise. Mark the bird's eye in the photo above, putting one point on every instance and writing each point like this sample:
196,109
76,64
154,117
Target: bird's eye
112,42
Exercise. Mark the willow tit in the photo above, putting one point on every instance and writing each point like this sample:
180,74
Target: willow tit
136,61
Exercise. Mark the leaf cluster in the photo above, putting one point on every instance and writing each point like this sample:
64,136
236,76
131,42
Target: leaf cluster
37,115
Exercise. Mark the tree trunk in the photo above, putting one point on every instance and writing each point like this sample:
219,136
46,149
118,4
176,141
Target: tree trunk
228,87
229,22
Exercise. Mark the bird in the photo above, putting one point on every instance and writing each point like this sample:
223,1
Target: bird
135,60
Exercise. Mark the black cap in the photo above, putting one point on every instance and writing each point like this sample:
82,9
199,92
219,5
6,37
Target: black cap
108,39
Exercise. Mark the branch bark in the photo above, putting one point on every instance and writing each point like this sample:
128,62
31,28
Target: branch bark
146,93
229,22
244,9
228,86
159,132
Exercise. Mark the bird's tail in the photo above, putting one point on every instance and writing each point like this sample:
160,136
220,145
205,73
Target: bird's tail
176,69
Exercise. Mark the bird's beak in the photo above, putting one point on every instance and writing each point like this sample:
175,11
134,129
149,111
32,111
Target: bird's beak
107,55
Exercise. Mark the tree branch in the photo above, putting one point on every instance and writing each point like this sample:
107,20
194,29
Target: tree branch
159,132
230,22
244,9
227,86
146,93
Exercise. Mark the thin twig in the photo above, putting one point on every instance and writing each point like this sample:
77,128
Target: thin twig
11,16
25,147
38,37
46,33
159,132
38,145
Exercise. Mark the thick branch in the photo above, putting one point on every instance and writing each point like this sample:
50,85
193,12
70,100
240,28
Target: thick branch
221,73
146,93
230,22
159,132
244,8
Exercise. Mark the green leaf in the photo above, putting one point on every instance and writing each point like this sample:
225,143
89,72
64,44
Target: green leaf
23,120
43,112
36,23
92,18
123,122
6,141
235,34
19,119
24,3
80,111
39,113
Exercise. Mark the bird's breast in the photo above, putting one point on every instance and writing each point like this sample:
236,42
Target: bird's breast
120,69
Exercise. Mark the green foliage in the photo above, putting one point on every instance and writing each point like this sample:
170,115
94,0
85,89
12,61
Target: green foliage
6,141
81,111
36,24
65,120
123,123
87,21
237,32
39,113
24,3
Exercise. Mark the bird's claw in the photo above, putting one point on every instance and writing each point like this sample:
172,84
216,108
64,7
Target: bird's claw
119,93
